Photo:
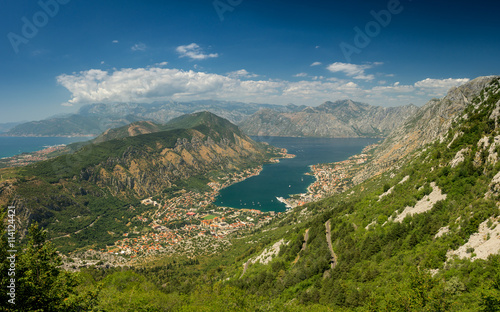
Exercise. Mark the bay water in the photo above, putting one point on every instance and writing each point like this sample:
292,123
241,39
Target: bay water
289,176
11,146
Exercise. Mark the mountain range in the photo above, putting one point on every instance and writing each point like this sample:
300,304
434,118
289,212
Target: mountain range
340,119
93,119
331,119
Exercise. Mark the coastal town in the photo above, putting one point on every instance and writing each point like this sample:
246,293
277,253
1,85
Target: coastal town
186,215
331,178
25,159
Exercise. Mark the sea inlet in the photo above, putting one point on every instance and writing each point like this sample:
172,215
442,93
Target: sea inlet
289,175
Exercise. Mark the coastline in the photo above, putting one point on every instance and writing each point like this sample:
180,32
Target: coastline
330,178
15,146
25,159
7,135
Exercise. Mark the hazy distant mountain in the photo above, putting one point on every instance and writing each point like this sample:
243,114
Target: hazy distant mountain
331,119
94,119
4,127
339,119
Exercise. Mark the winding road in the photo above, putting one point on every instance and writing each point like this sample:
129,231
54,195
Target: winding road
333,261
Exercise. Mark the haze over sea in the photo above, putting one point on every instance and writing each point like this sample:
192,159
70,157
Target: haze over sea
11,146
288,176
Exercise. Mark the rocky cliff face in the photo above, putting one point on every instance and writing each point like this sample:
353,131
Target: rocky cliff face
341,119
429,123
148,170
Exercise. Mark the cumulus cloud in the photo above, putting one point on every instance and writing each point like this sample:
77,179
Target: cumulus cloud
395,88
316,64
194,52
115,41
353,70
300,75
157,83
439,87
154,83
138,47
242,73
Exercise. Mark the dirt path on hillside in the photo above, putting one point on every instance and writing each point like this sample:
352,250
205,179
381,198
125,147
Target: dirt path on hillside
69,235
245,267
333,260
304,245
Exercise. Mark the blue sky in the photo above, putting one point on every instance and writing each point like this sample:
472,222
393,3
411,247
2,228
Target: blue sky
58,55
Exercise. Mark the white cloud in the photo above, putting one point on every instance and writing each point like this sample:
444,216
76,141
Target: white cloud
156,83
395,88
139,47
194,52
353,70
439,87
316,64
161,64
115,41
242,73
300,75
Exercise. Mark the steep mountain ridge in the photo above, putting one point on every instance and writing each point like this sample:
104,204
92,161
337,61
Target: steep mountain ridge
341,119
147,163
429,123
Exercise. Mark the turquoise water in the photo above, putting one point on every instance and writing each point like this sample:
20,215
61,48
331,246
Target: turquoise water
11,146
288,177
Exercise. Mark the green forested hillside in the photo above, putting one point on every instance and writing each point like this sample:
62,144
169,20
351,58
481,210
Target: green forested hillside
424,236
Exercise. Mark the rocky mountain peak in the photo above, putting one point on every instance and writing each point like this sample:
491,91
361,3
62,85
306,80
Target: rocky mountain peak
430,122
341,119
